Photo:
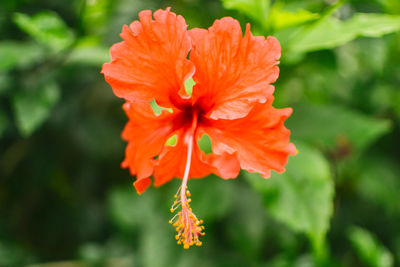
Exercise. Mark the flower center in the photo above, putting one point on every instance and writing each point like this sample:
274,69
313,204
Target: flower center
188,226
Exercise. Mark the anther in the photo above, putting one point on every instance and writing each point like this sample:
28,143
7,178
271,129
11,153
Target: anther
186,223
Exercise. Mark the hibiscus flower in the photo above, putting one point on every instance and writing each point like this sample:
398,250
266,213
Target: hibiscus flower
231,103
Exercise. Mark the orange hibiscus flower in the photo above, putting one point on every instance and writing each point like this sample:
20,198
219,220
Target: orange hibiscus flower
231,102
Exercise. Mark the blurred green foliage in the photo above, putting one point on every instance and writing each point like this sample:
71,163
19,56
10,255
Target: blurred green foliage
65,200
369,249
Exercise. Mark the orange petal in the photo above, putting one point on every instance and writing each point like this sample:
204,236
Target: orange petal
172,162
142,184
151,62
233,72
146,134
227,166
260,139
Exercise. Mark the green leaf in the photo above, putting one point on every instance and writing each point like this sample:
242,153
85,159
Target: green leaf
330,127
370,250
247,227
15,54
172,140
379,182
391,6
129,210
281,19
373,25
211,197
158,236
331,32
205,144
301,197
255,9
95,14
88,55
147,215
46,28
158,109
189,83
33,107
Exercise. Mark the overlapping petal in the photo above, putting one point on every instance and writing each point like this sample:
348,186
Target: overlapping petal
226,165
172,162
231,99
260,139
233,72
146,134
151,62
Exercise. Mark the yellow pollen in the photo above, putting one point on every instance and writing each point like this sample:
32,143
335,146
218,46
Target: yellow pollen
188,226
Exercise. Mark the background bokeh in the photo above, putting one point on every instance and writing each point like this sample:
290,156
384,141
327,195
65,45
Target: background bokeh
64,201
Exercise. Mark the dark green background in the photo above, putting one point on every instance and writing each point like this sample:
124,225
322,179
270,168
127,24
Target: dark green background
65,200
